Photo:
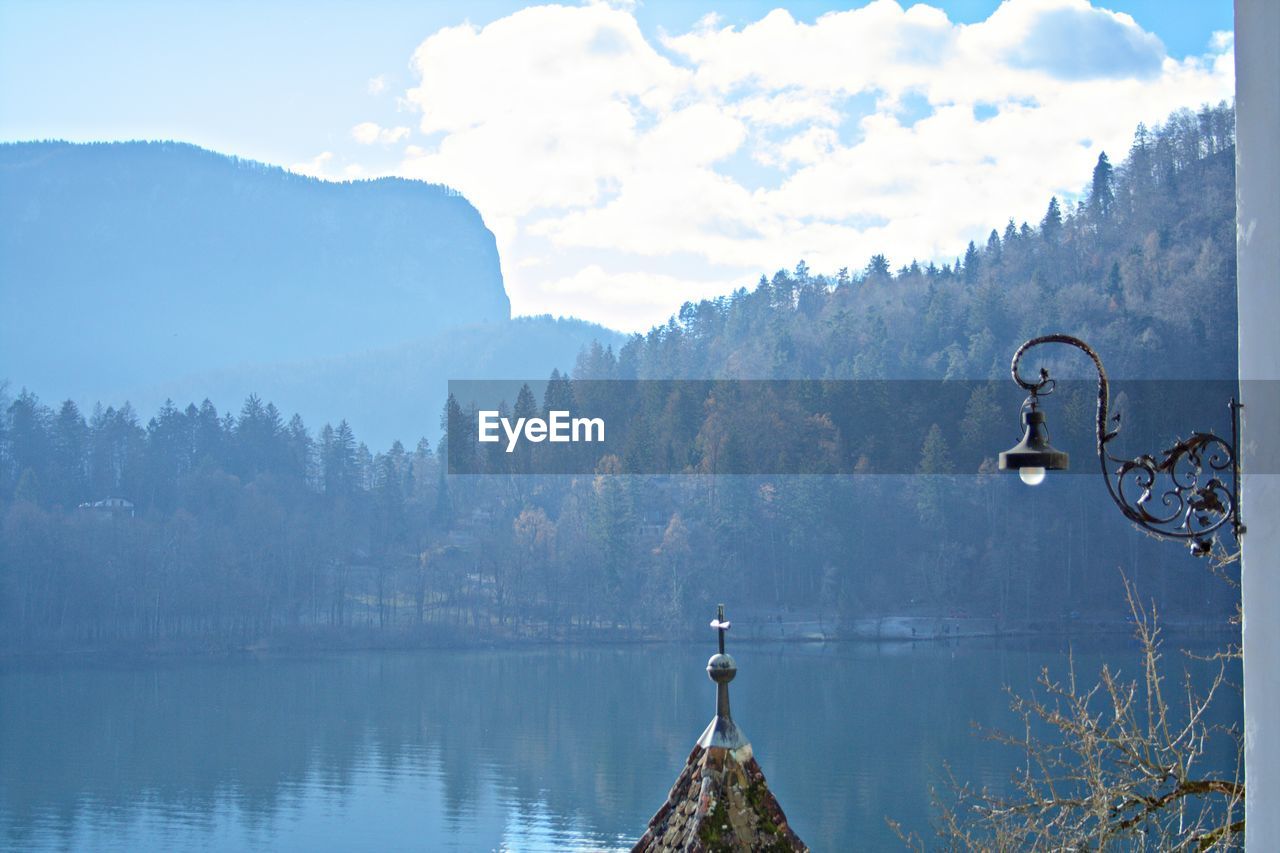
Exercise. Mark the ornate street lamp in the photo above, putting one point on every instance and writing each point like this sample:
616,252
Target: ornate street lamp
1189,493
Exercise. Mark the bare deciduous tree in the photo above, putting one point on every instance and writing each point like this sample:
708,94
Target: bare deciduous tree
1117,764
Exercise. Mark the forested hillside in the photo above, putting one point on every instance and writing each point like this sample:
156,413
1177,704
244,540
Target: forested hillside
1143,267
249,527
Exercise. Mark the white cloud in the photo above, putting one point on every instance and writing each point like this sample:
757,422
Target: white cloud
377,85
616,172
541,109
316,167
370,133
623,299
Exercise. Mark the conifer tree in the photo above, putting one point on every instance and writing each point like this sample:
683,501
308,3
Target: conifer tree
971,263
1051,225
1101,193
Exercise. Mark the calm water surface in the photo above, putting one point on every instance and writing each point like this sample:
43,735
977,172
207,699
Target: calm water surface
558,748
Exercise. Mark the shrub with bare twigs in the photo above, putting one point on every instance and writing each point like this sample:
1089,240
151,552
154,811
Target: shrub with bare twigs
1115,764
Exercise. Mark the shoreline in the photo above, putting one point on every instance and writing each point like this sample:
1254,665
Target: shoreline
322,643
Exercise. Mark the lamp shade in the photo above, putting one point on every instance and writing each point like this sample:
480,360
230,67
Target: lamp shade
1034,451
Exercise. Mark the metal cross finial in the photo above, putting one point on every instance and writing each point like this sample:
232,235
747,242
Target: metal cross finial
720,625
721,669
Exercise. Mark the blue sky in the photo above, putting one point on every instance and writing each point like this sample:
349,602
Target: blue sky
676,158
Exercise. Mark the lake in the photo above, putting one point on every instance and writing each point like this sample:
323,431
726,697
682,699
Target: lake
548,748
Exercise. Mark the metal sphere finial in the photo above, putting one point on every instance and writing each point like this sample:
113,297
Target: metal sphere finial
721,668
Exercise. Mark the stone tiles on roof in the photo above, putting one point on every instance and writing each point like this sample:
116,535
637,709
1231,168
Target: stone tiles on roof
720,801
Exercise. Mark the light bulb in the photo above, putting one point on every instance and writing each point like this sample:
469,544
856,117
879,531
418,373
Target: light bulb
1031,476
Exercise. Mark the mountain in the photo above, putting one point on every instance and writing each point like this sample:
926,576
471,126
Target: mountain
394,393
134,263
148,270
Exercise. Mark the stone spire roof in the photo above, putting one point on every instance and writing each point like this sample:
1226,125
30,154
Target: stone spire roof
721,800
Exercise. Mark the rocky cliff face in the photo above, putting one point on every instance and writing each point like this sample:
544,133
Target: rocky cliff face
127,264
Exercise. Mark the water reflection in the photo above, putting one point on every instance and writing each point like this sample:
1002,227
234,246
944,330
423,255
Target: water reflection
544,749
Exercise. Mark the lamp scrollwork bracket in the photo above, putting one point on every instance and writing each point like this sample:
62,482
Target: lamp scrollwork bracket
1190,491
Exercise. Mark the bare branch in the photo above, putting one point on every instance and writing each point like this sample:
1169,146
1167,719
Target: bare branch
1112,764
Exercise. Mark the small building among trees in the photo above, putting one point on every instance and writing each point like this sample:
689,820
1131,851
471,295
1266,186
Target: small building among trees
110,507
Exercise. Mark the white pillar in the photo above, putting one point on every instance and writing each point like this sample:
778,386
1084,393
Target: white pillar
1258,267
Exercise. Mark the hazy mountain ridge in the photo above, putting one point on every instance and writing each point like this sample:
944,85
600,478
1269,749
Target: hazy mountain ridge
394,392
126,265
